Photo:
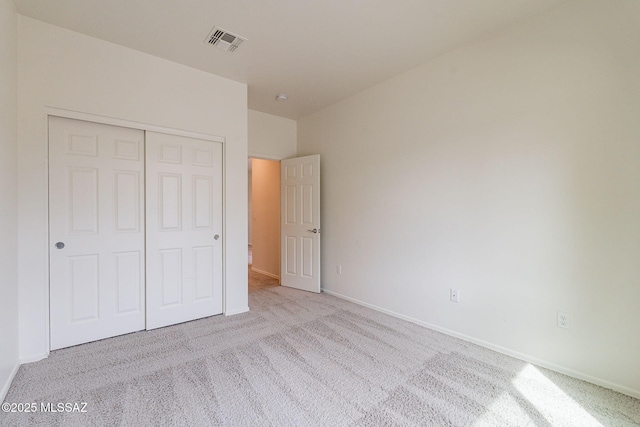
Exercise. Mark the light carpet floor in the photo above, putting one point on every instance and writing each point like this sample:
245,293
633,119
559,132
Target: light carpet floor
301,359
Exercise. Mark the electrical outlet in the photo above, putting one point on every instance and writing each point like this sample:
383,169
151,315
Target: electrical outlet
339,269
563,320
455,295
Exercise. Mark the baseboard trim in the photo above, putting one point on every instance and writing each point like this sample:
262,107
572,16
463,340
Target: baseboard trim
533,360
266,273
33,358
7,384
236,311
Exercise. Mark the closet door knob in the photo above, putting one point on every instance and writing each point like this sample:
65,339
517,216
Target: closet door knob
216,237
60,245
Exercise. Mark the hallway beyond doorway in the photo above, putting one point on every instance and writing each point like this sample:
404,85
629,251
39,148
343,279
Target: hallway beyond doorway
259,281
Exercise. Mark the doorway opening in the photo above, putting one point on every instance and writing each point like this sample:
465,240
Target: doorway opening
264,224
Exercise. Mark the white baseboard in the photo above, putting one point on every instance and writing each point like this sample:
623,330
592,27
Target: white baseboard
7,384
33,358
236,311
275,276
533,360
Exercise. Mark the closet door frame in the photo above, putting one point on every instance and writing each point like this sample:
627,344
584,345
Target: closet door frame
76,115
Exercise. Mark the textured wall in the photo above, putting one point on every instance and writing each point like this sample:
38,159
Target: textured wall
8,194
271,137
507,169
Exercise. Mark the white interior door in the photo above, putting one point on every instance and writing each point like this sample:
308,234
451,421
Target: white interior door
96,223
300,223
184,229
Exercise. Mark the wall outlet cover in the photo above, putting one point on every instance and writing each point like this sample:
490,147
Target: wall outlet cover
563,320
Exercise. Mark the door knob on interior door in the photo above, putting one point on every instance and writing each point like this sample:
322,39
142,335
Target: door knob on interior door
59,245
315,230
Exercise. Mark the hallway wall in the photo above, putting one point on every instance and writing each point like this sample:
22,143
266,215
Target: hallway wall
265,202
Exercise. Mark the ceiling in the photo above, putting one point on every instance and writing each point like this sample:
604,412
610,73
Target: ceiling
318,52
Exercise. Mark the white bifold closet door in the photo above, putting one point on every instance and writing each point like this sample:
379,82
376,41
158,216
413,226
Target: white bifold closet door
96,226
184,229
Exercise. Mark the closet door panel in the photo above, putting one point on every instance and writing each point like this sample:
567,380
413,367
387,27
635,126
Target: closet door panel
96,231
184,229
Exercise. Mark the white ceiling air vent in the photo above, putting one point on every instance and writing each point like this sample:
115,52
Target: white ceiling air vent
224,39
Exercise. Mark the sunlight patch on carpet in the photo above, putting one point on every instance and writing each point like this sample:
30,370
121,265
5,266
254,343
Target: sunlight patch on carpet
553,403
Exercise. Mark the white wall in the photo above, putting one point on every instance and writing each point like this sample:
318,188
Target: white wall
508,169
66,70
271,137
275,138
8,196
